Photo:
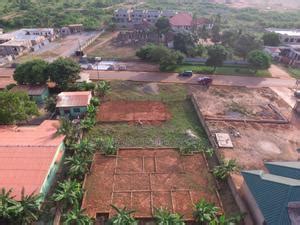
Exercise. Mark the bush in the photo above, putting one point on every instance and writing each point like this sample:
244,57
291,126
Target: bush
106,145
205,70
224,169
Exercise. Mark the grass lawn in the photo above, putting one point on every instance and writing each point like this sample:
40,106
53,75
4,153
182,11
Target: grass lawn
225,70
295,72
170,133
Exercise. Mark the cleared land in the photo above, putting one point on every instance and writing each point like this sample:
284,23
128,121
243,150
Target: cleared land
145,179
134,111
253,142
110,50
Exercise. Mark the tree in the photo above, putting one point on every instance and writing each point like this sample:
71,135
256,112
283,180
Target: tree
32,72
102,88
229,37
164,217
85,148
224,169
68,193
205,212
50,104
163,25
245,44
63,71
77,217
123,217
16,107
216,55
184,42
271,39
259,60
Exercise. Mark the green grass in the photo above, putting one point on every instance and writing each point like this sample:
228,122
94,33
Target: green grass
235,71
295,72
170,133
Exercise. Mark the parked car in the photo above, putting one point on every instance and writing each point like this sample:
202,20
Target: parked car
205,81
297,94
186,74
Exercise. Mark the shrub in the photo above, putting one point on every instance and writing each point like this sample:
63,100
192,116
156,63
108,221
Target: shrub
106,145
224,169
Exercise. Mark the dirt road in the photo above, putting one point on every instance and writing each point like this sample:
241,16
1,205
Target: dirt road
173,78
277,72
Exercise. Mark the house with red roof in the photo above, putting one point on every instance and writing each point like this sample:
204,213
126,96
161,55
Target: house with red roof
30,157
184,21
73,104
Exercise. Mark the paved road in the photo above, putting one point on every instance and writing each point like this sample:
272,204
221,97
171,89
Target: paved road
173,78
6,74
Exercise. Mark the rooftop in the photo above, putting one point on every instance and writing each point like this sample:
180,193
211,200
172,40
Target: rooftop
287,32
181,19
26,154
73,99
274,193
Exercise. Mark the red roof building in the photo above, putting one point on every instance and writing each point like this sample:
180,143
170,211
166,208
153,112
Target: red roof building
185,22
73,104
29,157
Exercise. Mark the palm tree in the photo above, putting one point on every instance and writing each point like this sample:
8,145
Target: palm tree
101,88
205,212
223,220
29,209
164,217
123,217
77,217
68,193
78,166
87,123
224,169
9,207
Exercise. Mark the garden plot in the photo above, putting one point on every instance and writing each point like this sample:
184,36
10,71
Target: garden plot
133,111
145,179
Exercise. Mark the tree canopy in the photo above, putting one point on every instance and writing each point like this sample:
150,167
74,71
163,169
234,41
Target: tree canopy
271,39
16,107
32,72
63,71
185,43
163,25
245,44
216,55
259,60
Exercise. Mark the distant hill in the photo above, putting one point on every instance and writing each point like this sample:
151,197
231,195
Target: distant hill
55,13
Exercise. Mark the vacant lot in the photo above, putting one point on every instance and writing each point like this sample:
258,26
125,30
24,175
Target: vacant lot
171,133
110,50
145,179
253,142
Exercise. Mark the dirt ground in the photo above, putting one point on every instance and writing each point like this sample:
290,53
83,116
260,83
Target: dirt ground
109,50
145,179
279,5
133,111
253,143
240,102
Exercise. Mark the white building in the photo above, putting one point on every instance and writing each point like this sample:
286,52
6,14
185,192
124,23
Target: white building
137,16
122,16
287,36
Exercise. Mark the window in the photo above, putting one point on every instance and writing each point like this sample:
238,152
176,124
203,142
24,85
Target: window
67,111
298,40
76,110
292,40
286,40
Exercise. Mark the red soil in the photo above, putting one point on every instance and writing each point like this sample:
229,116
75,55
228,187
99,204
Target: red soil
143,180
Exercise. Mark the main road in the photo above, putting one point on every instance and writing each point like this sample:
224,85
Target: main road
159,77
